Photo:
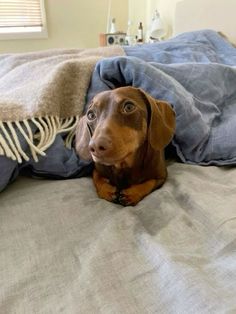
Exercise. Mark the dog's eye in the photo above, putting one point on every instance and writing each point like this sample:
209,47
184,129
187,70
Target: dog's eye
91,115
128,107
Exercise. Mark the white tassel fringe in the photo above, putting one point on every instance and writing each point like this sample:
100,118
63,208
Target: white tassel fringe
47,129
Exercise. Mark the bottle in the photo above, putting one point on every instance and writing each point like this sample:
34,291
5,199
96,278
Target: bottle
113,26
140,33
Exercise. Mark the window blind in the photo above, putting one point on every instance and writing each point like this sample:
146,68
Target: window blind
20,13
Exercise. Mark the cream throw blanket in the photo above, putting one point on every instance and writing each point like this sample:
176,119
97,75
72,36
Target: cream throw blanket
44,89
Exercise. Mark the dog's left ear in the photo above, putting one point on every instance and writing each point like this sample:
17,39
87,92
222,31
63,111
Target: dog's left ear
162,122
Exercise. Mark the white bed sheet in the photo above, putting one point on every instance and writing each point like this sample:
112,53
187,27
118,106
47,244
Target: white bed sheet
63,250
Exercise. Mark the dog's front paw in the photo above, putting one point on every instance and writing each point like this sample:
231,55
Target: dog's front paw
129,196
108,192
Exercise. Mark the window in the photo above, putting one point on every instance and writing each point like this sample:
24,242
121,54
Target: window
22,19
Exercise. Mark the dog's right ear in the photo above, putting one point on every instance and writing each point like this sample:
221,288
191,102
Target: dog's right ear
82,138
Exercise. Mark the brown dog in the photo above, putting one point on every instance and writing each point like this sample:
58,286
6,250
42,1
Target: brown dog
125,132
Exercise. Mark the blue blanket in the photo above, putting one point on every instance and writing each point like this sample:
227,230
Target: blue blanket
195,72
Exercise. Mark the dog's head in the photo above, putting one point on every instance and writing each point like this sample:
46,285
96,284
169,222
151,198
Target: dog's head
119,121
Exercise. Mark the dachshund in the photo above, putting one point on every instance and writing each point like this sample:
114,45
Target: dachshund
124,132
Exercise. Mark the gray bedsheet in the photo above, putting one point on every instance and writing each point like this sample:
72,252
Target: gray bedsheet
63,250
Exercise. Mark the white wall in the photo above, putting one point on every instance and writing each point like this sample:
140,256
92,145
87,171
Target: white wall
77,23
72,24
137,13
167,11
143,10
206,14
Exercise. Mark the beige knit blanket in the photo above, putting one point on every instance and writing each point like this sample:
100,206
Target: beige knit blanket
44,89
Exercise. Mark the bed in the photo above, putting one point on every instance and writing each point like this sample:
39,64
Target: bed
64,250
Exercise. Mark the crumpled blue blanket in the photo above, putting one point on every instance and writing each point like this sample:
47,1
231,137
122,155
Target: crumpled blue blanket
195,72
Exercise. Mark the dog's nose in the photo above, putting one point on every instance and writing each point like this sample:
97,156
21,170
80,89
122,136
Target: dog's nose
99,146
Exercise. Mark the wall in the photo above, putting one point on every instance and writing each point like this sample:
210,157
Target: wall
143,10
72,24
167,11
77,23
137,14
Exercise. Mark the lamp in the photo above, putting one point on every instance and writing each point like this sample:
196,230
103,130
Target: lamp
157,29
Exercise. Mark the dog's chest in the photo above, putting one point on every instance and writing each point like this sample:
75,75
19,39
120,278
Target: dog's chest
123,178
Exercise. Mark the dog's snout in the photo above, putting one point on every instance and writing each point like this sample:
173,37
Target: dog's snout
100,145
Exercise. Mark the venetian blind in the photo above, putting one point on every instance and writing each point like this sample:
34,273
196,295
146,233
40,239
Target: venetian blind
20,13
